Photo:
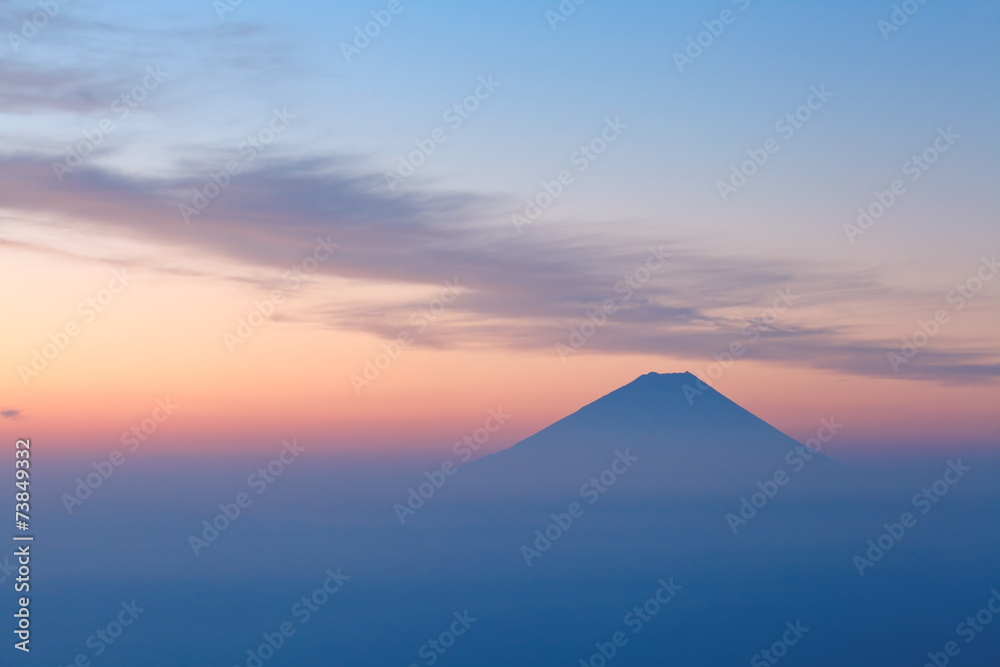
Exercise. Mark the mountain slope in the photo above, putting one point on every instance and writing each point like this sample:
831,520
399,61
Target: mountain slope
684,435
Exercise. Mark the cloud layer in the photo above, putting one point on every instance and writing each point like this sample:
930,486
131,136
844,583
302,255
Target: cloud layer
522,291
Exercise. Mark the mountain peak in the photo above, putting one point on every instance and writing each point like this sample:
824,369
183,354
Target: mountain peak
681,429
663,410
654,376
665,388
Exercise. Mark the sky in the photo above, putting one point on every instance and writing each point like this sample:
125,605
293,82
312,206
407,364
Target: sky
289,228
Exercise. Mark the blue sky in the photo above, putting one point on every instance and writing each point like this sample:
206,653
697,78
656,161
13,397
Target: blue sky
554,87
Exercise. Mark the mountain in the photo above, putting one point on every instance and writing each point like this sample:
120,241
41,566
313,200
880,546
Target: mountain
559,542
684,434
673,410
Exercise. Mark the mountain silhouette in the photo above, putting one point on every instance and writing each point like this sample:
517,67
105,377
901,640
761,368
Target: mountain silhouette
554,540
662,477
686,436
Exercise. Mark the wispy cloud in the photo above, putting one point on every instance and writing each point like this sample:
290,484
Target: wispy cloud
521,291
78,62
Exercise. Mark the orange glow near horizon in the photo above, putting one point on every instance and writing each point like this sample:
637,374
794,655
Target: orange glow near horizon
163,337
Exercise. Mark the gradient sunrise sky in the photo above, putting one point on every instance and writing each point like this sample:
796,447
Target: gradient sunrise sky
115,116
